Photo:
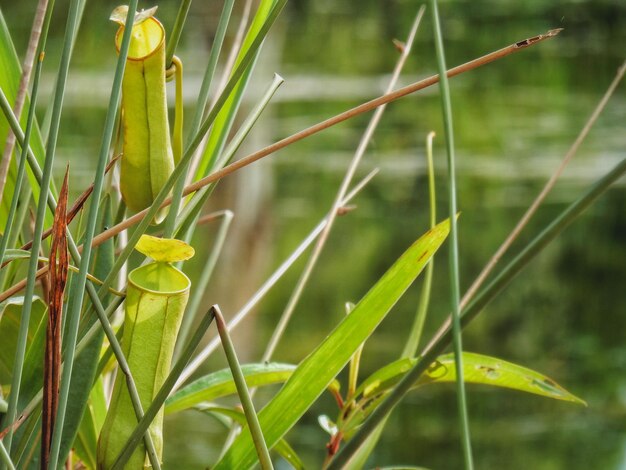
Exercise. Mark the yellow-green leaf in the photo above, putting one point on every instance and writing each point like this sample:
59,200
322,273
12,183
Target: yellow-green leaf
479,369
165,250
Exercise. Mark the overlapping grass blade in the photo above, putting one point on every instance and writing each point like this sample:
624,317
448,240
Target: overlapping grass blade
455,289
318,369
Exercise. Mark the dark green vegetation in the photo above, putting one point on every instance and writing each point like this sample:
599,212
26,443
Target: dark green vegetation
514,121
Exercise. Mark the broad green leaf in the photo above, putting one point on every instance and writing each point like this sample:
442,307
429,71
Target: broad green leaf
10,73
3,405
317,370
282,448
9,325
479,369
385,377
219,384
166,250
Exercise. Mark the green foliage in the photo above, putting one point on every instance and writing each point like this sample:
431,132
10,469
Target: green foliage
155,293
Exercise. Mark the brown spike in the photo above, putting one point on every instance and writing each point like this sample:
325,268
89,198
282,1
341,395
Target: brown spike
52,362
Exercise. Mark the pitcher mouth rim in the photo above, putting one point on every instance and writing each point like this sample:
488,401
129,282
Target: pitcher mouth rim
120,30
160,292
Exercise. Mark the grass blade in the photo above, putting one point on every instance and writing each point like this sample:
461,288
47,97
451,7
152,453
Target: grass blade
20,99
10,74
242,390
455,290
318,369
343,189
177,30
224,120
6,458
412,343
220,383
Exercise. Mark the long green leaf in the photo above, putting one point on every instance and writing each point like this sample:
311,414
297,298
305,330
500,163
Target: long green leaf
480,369
219,384
317,370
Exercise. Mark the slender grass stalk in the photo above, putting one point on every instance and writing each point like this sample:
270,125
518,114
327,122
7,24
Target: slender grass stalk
337,203
39,220
267,285
242,391
228,67
203,95
40,24
209,73
363,108
523,222
76,297
410,348
200,286
6,458
177,149
177,30
224,120
163,393
30,122
455,290
249,159
505,276
193,208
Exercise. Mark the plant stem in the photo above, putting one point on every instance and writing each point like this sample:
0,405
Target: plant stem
177,30
455,290
410,348
242,391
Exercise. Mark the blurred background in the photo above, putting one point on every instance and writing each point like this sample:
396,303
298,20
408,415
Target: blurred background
515,119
